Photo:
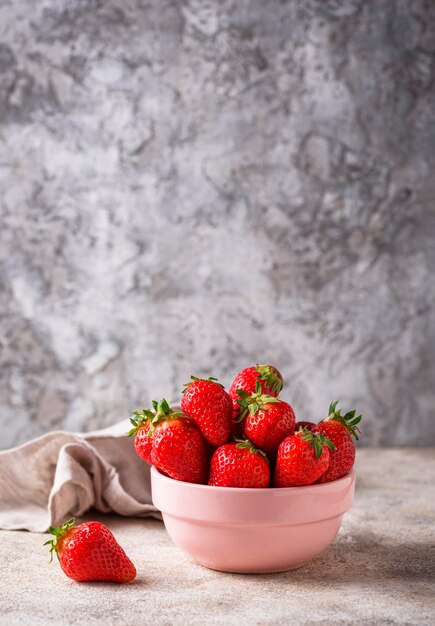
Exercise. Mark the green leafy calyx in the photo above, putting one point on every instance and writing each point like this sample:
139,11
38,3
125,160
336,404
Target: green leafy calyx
348,420
58,533
248,445
271,377
317,440
146,417
254,402
194,379
140,419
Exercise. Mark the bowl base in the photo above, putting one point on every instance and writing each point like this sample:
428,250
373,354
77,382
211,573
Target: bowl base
256,571
252,549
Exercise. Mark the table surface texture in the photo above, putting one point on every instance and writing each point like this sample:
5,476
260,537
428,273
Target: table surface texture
379,570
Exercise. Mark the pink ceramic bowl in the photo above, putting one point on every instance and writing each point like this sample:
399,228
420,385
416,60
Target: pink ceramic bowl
252,530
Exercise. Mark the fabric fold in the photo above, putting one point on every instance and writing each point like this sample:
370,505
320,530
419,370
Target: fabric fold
62,474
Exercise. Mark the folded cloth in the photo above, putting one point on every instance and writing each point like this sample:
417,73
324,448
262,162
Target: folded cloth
63,474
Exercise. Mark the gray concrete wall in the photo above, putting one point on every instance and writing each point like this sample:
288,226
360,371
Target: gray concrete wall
191,187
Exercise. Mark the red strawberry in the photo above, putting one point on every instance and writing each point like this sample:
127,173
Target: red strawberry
268,376
339,429
142,433
268,420
302,458
239,465
170,440
210,407
90,552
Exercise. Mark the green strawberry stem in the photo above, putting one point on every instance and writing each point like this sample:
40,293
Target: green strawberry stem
254,402
195,378
58,533
140,419
348,420
162,412
271,376
248,445
317,440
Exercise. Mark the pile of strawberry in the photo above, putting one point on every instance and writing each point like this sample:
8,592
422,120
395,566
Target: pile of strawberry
247,437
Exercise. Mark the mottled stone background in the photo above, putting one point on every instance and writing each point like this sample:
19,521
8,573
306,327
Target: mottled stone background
195,186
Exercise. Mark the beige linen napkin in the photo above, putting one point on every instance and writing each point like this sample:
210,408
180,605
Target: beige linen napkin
62,474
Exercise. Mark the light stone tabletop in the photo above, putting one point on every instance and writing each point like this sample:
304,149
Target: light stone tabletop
379,570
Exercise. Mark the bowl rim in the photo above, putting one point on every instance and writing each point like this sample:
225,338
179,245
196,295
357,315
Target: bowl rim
282,490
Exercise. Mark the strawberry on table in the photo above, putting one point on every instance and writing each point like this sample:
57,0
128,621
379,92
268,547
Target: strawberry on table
302,459
90,552
268,420
339,429
239,464
210,407
172,443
